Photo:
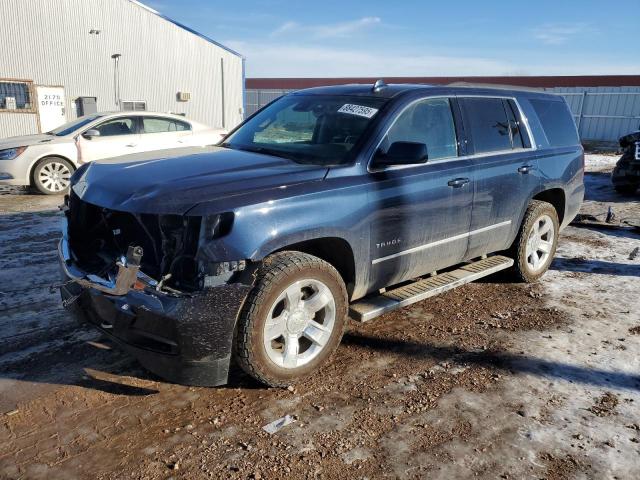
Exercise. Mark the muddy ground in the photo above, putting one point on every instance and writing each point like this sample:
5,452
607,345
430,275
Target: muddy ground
493,380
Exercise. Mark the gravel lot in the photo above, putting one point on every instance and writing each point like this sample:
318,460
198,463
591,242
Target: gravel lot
493,380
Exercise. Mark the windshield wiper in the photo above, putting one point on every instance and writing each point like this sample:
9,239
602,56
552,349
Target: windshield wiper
264,150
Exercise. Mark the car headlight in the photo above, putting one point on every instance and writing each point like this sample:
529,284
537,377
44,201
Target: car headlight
11,153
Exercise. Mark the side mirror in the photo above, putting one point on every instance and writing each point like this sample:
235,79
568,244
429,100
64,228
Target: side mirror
401,153
92,132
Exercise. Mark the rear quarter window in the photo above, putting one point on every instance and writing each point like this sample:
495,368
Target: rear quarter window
556,121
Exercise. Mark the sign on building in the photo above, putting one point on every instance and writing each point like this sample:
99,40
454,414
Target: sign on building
51,107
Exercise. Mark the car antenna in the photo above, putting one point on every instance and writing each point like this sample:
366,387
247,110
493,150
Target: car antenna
379,85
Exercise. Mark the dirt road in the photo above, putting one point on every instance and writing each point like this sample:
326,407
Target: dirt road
493,380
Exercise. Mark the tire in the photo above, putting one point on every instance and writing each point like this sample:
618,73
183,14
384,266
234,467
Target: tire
525,267
51,176
626,189
272,306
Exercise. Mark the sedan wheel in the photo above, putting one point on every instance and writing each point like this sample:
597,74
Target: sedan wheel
52,176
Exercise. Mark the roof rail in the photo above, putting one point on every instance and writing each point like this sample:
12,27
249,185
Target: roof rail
497,86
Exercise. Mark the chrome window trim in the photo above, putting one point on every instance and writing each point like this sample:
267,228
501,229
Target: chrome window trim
441,242
524,118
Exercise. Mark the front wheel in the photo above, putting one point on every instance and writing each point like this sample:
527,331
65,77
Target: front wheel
292,320
536,243
52,175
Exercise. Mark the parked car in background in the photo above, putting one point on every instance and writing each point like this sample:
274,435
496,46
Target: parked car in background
327,202
46,161
626,174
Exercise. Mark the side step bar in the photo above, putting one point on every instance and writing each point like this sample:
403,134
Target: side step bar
371,307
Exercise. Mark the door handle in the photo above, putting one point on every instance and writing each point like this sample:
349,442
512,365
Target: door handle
458,182
525,169
131,144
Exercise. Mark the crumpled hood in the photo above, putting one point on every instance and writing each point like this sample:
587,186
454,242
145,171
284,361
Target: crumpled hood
26,140
174,181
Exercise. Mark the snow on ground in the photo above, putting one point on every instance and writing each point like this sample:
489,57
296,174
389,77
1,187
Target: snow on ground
595,162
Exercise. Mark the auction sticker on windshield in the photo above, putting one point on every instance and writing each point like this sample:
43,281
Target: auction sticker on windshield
358,110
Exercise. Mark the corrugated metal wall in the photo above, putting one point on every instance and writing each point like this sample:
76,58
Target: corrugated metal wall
601,113
49,42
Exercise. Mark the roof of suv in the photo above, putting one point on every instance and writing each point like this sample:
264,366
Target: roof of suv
394,89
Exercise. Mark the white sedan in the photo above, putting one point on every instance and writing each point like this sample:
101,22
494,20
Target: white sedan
46,161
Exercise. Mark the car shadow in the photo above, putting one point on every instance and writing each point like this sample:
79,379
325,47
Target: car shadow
509,362
600,189
582,265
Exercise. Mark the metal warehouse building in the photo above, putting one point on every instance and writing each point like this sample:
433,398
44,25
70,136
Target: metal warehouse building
604,107
62,58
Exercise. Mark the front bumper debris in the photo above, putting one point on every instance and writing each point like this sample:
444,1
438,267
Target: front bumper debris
184,338
127,274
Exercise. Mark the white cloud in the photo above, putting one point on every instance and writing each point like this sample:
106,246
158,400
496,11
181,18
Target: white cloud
280,59
285,60
285,28
559,33
331,30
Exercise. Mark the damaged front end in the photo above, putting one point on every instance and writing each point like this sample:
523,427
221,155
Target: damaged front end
143,280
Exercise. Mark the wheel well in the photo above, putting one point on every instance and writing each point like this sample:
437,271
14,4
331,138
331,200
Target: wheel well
554,196
40,160
333,250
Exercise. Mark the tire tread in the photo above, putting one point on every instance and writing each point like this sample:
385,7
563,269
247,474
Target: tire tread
274,268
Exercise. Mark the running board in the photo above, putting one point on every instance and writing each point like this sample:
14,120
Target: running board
371,307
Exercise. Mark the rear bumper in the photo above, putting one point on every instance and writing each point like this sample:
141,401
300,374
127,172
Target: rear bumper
183,339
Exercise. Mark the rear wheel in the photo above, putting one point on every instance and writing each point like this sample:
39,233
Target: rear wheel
292,320
536,243
52,175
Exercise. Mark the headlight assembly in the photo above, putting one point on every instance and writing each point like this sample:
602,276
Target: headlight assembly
11,153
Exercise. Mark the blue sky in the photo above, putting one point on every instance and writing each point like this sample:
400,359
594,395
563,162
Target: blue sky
333,38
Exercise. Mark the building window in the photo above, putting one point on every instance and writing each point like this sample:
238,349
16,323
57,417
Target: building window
15,96
133,105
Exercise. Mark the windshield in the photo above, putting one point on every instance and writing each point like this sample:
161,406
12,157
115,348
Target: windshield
74,125
320,129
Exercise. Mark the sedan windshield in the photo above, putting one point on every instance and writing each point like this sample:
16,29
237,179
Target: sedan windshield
74,125
321,129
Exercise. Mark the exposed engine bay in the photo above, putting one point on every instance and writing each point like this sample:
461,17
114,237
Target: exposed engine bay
98,236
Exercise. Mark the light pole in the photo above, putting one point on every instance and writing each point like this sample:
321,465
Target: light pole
116,78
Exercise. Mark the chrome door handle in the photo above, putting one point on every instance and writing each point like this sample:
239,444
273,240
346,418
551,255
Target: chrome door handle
525,169
458,182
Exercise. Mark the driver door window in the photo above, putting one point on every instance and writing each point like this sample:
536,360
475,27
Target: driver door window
118,136
117,126
428,121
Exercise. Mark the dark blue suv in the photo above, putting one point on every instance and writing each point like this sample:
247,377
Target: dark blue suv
330,202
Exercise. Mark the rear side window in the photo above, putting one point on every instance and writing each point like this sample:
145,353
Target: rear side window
487,121
556,122
162,125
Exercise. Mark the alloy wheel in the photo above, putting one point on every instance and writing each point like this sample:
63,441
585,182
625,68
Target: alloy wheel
299,323
54,176
540,243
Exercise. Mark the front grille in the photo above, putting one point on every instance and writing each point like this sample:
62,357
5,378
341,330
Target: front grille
98,236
